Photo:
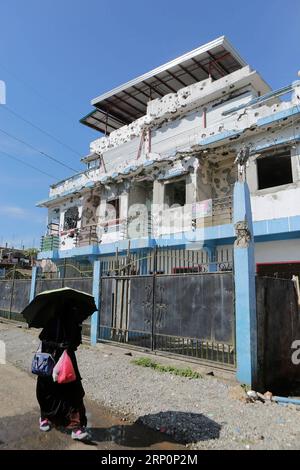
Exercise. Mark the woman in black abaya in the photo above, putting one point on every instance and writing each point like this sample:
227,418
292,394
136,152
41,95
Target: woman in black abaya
62,404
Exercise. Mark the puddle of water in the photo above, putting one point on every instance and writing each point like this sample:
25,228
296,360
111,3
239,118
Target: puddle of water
107,428
134,437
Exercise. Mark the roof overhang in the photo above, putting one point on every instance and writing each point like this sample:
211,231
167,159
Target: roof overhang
89,158
128,102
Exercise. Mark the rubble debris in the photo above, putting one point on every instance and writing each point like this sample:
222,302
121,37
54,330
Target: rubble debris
268,395
252,394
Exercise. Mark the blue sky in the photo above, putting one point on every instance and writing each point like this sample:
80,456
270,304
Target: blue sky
56,55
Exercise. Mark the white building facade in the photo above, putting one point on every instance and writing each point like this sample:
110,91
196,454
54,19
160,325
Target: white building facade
163,173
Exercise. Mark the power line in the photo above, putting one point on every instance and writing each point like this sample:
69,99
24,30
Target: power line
27,164
39,151
36,92
7,108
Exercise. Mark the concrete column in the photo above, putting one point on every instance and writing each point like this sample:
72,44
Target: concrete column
33,283
158,192
245,295
124,198
191,188
251,174
95,320
203,181
295,162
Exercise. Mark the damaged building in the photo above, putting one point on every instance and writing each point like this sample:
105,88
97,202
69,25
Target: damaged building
161,175
171,139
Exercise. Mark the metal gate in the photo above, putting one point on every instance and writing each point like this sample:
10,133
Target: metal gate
14,296
191,314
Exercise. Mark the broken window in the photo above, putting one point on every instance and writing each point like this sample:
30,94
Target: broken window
71,218
274,169
93,164
175,193
113,209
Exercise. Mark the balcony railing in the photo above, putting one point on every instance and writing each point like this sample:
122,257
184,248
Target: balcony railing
49,242
206,213
210,212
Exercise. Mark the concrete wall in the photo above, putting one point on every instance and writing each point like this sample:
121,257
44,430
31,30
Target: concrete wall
76,182
187,99
268,252
120,157
90,211
204,180
187,130
276,203
140,193
277,251
224,175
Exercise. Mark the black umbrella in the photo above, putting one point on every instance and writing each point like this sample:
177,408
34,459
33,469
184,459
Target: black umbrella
51,303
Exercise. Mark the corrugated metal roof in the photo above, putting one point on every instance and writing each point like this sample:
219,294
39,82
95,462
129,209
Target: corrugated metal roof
128,102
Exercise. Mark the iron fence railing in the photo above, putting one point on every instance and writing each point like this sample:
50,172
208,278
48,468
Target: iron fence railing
221,353
168,260
219,213
14,296
196,348
127,337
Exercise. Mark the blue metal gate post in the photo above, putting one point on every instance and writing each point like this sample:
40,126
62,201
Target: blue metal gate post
245,296
33,283
96,293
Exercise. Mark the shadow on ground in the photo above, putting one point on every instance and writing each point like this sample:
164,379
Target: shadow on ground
183,427
169,430
164,427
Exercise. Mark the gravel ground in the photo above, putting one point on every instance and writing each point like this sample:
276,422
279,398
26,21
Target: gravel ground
206,413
